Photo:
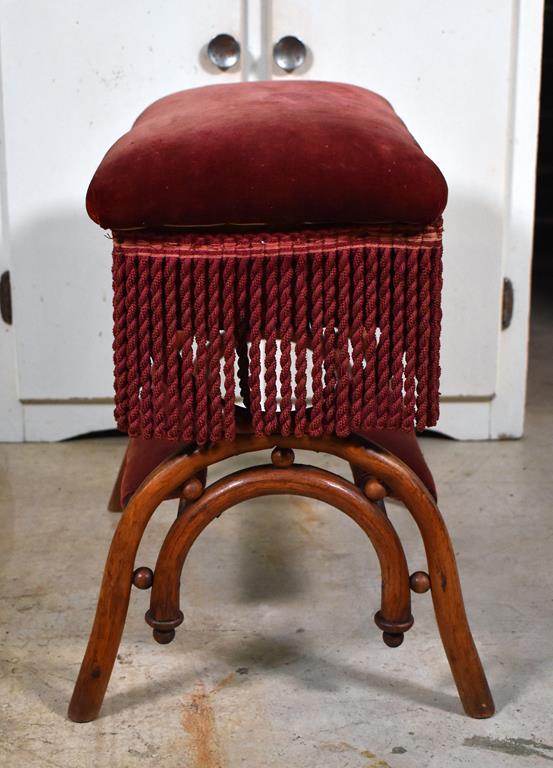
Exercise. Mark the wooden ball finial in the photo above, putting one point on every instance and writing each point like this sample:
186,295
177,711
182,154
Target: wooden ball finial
374,490
163,637
193,489
282,457
393,640
419,581
143,578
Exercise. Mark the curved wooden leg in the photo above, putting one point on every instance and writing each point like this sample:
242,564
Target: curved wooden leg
394,618
113,601
449,607
447,596
401,483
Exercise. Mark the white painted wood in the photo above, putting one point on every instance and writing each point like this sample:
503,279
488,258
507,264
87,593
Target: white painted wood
75,75
465,420
58,421
256,37
507,412
11,415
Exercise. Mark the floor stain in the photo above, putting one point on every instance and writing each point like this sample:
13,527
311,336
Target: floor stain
224,682
309,512
518,747
337,746
309,518
344,746
198,720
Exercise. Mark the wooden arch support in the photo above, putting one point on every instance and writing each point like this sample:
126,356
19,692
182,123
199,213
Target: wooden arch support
394,618
396,478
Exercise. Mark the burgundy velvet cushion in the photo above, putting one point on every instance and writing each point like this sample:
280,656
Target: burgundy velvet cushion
280,154
143,456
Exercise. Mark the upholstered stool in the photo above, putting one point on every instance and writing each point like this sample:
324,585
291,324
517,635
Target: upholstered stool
283,240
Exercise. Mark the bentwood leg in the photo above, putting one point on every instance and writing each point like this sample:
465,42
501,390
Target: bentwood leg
449,607
447,596
117,580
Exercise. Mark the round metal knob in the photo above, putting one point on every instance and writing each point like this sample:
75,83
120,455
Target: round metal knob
223,51
289,53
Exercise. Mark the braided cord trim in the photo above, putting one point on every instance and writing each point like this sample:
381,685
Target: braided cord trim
395,399
257,271
229,334
368,408
119,346
201,377
186,326
357,333
423,340
330,307
383,349
286,333
270,334
214,369
300,315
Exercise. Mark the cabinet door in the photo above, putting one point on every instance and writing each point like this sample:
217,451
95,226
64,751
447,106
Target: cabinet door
450,71
74,77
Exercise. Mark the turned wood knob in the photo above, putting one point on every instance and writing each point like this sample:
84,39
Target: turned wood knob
393,639
143,578
374,490
419,582
282,457
193,489
163,637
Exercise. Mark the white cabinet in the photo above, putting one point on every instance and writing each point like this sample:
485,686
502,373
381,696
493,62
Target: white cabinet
464,77
75,74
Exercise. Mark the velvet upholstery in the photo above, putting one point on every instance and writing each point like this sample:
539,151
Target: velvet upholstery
144,455
278,154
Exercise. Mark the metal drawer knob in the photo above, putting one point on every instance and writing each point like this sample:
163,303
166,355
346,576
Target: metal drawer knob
223,51
289,53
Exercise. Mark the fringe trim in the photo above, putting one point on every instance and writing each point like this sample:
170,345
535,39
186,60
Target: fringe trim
352,315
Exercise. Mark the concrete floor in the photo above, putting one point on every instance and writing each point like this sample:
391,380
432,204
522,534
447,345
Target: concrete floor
278,661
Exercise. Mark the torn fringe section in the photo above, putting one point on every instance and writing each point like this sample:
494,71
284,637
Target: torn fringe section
346,322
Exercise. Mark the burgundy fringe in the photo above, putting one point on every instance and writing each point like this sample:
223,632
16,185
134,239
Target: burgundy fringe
354,315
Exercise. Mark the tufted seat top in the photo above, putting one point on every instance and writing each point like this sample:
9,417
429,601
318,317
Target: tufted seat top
276,154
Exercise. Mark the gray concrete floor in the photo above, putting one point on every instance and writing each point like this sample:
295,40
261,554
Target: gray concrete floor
278,661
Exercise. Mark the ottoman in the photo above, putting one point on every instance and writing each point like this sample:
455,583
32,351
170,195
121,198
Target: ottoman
277,251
